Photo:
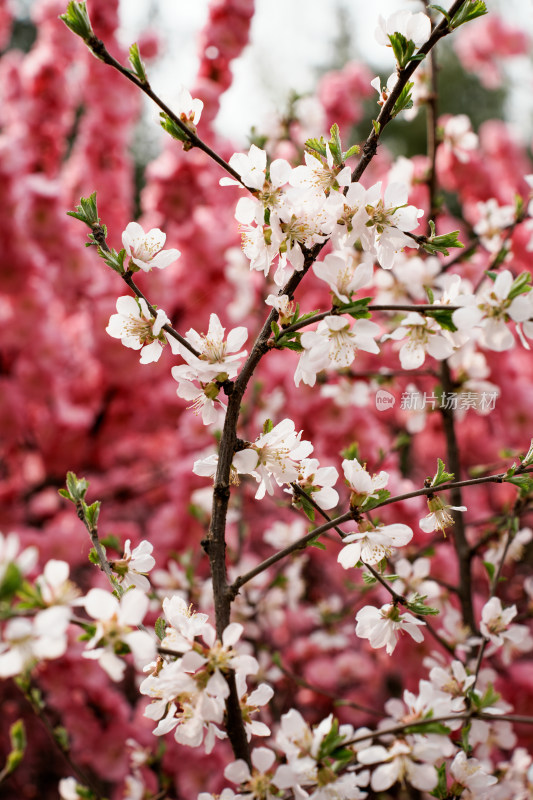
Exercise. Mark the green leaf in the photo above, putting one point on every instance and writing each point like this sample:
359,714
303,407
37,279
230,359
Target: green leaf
353,151
442,11
331,741
418,606
77,19
465,733
440,791
441,476
468,12
160,628
443,317
17,735
375,499
317,146
302,501
317,544
491,569
429,727
486,700
404,101
87,211
290,344
268,425
357,309
61,737
171,127
351,452
440,244
403,49
92,513
113,259
528,458
520,285
335,145
137,64
77,488
112,542
377,126
93,556
274,327
11,582
524,483
369,579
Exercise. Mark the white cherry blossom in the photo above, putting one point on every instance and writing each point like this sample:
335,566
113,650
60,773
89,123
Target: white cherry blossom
386,220
459,138
496,625
381,626
423,335
334,345
115,621
28,641
54,584
218,359
403,762
10,553
361,482
371,545
189,109
345,272
491,310
319,481
139,330
279,453
146,249
414,27
469,772
493,219
318,175
131,569
439,517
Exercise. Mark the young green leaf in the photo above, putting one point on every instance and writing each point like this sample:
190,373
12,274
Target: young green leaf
441,475
77,20
137,64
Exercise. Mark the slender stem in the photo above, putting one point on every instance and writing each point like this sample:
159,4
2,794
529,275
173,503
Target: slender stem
99,236
335,311
386,114
299,544
466,715
101,52
102,560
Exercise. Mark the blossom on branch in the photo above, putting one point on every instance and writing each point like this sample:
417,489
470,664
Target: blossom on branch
135,326
131,569
381,626
371,545
146,249
115,620
218,359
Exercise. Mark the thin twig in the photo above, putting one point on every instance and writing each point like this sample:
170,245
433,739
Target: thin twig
101,52
99,235
422,308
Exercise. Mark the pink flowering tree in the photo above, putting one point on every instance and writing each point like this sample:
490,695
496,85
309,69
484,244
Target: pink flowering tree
291,556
